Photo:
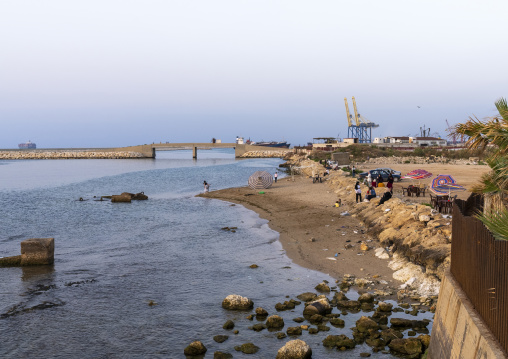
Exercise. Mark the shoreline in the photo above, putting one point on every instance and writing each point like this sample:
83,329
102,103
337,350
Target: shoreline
312,231
413,240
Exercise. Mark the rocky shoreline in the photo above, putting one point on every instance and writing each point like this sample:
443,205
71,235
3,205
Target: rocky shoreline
76,154
379,326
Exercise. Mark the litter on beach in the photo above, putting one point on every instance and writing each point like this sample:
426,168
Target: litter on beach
345,213
387,210
331,258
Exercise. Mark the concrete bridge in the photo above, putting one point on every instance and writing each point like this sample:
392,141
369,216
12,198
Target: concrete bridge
149,150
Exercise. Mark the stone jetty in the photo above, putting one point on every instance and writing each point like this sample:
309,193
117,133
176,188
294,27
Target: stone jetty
67,154
266,154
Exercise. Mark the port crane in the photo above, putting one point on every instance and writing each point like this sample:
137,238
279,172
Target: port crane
451,133
361,128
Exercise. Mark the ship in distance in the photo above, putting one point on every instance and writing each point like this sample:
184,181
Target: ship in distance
27,145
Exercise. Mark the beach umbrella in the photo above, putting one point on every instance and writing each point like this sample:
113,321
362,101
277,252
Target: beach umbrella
444,184
418,174
260,180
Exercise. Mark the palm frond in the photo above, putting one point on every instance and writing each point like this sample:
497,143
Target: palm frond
502,108
497,223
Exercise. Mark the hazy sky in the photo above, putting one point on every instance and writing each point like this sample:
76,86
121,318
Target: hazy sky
118,73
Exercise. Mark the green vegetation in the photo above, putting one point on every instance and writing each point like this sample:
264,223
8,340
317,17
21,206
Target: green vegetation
492,132
361,152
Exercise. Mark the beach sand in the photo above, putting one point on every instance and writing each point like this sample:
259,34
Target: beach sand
314,233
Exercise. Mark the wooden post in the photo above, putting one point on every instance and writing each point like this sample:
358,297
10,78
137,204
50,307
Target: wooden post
194,152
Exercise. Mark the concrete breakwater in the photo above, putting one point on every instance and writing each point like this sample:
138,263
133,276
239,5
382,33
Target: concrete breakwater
67,154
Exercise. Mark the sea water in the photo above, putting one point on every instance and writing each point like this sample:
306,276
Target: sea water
145,279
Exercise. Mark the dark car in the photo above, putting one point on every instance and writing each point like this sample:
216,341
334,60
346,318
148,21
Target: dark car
375,173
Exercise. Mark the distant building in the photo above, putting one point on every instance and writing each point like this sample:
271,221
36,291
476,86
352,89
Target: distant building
428,141
399,139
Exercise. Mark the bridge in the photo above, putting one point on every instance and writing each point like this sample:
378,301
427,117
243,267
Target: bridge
150,150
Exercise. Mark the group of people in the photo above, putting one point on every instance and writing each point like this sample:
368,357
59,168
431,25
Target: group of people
372,184
379,182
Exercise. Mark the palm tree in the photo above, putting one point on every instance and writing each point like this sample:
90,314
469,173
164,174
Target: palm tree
493,185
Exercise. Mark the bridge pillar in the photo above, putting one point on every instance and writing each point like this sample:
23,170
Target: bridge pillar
194,152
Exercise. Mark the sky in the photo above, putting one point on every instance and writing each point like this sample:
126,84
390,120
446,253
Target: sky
120,73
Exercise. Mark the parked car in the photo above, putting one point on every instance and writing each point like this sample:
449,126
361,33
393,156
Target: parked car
390,170
375,173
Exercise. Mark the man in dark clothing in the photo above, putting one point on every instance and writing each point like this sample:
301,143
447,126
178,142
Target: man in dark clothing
386,196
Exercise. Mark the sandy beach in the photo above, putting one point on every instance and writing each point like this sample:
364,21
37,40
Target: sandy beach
313,232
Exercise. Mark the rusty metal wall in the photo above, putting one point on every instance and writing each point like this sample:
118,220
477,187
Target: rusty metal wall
479,263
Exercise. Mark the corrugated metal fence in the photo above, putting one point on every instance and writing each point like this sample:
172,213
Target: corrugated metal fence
480,264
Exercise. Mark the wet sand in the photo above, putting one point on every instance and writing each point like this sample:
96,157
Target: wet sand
311,229
314,233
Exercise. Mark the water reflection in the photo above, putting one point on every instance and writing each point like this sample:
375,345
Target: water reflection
33,273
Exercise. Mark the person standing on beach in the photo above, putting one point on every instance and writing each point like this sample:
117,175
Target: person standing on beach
390,183
353,169
369,180
207,186
275,176
379,180
358,191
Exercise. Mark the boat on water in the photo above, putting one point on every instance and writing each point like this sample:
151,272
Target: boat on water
280,144
27,145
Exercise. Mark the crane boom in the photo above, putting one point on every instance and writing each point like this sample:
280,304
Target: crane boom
347,112
357,119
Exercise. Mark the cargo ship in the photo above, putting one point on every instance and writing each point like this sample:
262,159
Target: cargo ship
27,145
281,144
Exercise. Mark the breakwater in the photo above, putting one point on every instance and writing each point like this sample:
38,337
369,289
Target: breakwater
67,154
265,154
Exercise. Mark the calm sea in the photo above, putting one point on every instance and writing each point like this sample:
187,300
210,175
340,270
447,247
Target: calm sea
112,259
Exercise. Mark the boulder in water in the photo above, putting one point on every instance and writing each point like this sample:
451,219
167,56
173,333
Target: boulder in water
295,349
195,348
237,302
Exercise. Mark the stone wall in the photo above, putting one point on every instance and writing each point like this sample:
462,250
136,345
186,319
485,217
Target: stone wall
458,331
77,154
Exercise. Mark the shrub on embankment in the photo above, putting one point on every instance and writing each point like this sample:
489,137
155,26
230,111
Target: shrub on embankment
360,152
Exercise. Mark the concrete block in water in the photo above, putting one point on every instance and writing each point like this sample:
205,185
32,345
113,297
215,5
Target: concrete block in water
37,251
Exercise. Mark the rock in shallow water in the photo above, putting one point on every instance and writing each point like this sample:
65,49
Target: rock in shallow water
195,348
247,348
237,302
295,349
